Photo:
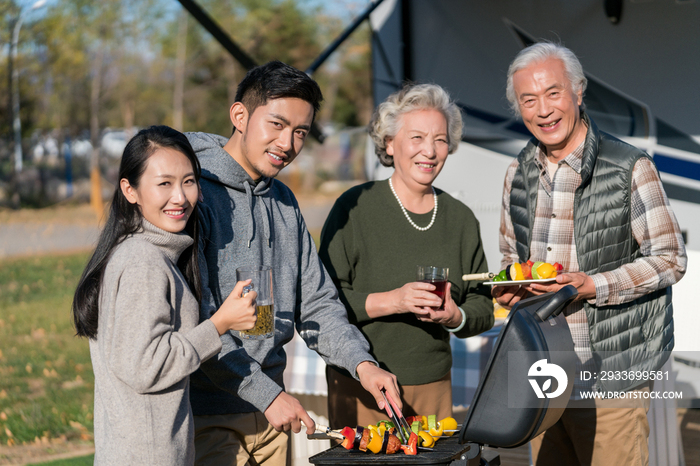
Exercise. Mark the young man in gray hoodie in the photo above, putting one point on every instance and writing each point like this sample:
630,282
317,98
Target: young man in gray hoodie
242,413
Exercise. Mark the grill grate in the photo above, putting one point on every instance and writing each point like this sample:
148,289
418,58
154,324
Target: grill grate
446,450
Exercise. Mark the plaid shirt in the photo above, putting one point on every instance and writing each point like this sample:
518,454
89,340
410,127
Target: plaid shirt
654,227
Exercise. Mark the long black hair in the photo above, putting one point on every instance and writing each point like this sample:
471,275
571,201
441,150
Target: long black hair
125,219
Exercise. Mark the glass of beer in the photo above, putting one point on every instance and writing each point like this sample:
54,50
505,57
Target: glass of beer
261,283
435,276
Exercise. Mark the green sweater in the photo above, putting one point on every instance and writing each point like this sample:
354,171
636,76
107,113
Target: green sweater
368,246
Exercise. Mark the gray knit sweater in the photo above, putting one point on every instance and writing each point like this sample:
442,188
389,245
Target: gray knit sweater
249,223
147,344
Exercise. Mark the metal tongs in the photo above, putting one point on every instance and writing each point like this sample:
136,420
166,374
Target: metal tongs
399,421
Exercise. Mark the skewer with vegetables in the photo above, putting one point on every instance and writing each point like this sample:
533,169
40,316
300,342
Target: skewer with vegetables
382,437
520,271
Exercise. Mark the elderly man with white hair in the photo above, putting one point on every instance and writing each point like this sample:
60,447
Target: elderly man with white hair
578,196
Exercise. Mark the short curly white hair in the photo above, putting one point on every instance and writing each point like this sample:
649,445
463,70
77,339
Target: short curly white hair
386,121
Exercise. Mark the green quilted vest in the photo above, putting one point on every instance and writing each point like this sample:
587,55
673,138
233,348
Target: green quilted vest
634,336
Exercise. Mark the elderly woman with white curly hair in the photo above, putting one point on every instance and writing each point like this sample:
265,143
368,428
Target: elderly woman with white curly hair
372,242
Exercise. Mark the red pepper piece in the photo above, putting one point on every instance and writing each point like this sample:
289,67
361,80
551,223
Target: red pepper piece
412,447
412,419
349,440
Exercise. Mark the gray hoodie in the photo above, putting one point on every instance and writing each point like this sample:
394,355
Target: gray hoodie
249,223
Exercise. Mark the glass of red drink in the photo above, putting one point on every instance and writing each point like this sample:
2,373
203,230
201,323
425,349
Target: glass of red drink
435,276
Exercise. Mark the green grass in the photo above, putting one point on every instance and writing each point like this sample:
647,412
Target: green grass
46,380
81,461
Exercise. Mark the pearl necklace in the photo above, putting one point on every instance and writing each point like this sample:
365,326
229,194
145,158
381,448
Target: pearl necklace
403,209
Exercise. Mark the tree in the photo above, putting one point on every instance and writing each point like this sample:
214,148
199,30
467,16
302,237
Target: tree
90,65
90,61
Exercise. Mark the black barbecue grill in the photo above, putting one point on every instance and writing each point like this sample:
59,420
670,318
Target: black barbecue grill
505,412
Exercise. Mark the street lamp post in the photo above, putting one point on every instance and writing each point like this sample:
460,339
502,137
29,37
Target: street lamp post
16,122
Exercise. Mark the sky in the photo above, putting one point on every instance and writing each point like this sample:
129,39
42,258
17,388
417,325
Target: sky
344,9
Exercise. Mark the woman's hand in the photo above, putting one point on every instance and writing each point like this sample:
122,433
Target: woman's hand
450,316
414,297
237,312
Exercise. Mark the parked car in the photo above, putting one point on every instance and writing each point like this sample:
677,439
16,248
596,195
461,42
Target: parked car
114,141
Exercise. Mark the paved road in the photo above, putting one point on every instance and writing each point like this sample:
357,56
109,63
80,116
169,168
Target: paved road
25,239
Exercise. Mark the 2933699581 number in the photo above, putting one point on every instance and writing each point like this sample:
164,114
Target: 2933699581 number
625,375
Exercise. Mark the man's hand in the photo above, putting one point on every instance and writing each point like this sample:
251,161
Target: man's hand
508,296
583,283
287,413
373,379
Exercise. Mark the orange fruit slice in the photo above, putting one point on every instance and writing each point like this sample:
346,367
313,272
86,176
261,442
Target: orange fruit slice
516,272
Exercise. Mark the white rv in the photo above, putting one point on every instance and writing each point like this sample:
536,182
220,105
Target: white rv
642,61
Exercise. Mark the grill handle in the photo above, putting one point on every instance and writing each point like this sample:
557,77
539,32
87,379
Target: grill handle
556,304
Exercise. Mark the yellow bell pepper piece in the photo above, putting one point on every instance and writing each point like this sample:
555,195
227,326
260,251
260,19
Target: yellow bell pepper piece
424,422
375,441
449,423
436,432
425,439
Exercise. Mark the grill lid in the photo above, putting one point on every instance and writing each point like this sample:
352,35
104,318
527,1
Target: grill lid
506,410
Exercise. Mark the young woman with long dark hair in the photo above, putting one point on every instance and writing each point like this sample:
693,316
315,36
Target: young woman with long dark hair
138,303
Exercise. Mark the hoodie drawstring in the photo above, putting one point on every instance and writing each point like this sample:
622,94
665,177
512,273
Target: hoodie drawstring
267,220
266,216
251,223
